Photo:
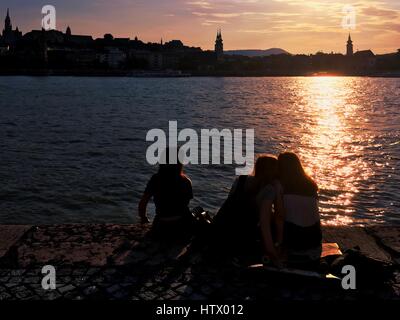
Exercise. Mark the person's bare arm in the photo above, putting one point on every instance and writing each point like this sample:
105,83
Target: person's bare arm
279,218
143,206
266,229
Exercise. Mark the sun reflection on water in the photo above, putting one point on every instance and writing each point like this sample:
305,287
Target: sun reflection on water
327,147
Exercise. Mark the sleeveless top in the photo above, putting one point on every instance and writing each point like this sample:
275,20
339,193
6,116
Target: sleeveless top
302,220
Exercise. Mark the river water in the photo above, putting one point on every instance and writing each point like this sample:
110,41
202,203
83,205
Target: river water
73,149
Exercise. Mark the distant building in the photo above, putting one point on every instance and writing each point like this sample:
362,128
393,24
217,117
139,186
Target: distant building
50,37
4,49
364,61
112,57
349,51
364,54
10,36
174,45
219,45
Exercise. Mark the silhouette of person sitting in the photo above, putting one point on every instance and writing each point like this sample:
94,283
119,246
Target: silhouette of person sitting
171,191
302,229
236,227
299,221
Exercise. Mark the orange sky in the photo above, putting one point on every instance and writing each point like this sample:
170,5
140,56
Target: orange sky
298,26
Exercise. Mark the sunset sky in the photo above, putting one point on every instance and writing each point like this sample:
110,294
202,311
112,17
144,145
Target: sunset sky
298,26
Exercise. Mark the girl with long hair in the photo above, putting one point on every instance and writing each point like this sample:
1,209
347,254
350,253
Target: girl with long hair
237,224
302,227
171,191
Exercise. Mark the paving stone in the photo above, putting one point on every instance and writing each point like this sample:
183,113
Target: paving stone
121,294
63,279
147,295
80,281
17,279
72,295
99,279
17,272
64,272
31,279
114,288
387,236
51,295
10,235
66,288
184,290
17,289
5,272
79,272
147,271
11,284
24,295
33,272
169,295
4,296
90,290
92,271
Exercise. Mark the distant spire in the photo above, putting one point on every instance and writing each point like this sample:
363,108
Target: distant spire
219,45
219,34
349,47
7,22
68,31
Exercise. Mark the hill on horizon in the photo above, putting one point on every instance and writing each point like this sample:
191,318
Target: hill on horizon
257,52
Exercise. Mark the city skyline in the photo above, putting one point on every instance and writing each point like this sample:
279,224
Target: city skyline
286,25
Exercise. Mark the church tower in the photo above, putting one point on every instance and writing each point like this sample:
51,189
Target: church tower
10,36
7,23
68,32
349,51
219,45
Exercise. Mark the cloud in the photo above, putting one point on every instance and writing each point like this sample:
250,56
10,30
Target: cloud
295,25
381,13
214,22
201,4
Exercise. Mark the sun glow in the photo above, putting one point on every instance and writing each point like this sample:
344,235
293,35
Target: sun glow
334,161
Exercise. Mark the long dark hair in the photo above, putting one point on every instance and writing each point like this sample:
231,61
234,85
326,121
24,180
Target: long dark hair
168,169
293,177
265,170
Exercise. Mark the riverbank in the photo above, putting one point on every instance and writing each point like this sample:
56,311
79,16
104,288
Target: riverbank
181,74
119,262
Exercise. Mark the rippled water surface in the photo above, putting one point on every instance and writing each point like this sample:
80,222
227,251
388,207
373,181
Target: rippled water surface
73,149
